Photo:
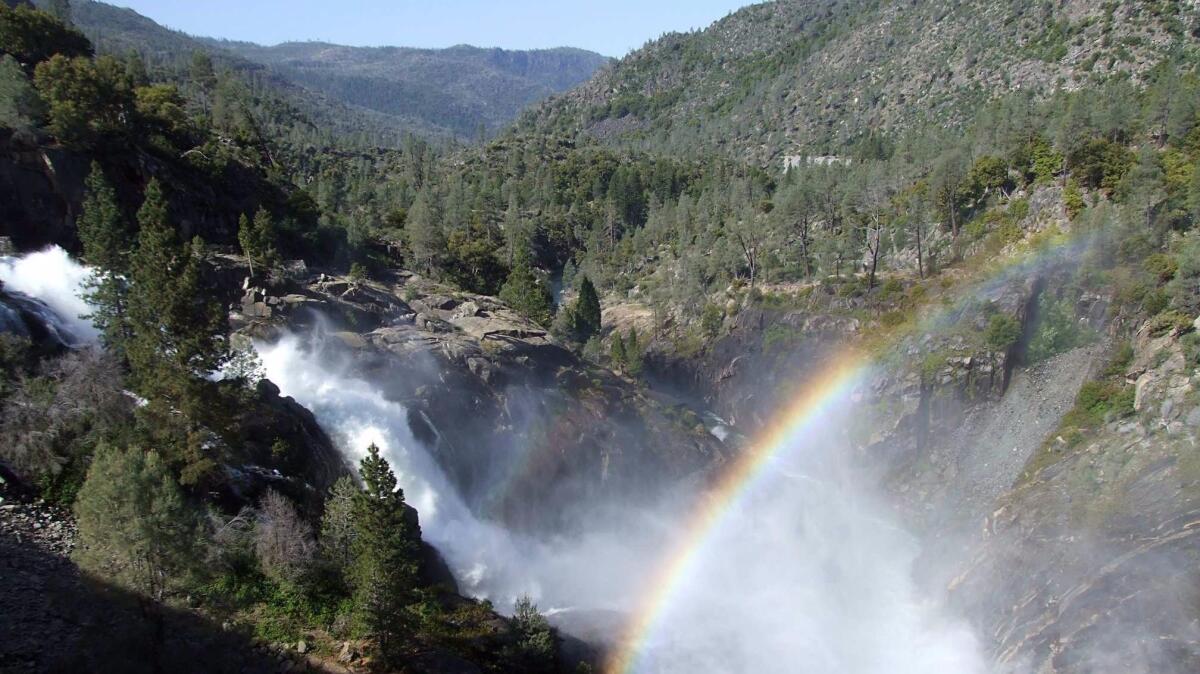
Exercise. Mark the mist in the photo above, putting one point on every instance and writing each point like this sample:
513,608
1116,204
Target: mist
58,282
808,572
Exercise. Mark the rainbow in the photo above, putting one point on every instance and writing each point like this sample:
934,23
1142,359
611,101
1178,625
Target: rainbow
832,384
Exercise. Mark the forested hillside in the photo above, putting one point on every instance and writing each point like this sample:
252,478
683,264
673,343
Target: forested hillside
703,220
815,78
374,96
461,91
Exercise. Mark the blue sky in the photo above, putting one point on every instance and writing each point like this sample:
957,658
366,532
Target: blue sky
611,27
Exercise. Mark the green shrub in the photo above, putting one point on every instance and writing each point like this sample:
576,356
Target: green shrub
1168,322
711,319
1002,332
1056,329
1163,267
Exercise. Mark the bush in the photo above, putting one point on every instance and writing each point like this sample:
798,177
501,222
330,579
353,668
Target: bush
1056,329
51,423
1099,401
283,541
1169,322
1163,267
711,319
1002,332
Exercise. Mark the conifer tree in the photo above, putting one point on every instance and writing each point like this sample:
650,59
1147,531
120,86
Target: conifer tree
257,239
617,350
423,233
569,272
386,547
135,529
525,293
105,238
586,313
633,353
337,524
176,328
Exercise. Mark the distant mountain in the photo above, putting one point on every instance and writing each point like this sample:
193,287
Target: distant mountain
459,89
435,93
812,76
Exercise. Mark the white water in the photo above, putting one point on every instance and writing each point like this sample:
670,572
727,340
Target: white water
807,575
488,560
52,277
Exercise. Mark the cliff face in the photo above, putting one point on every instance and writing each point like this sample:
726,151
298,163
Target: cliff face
1091,556
1072,554
42,187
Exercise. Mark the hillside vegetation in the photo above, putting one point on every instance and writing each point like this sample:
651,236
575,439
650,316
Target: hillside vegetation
461,91
813,78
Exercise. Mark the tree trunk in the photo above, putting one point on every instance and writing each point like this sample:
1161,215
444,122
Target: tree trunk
920,254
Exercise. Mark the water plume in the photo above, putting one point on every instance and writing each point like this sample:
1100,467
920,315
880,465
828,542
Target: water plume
51,277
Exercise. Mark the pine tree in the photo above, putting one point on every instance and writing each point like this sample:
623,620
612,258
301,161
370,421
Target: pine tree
386,550
569,272
525,293
246,240
105,239
135,530
201,70
257,239
633,353
135,69
617,350
337,524
423,233
586,312
177,330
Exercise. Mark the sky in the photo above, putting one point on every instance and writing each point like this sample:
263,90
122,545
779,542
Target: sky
610,27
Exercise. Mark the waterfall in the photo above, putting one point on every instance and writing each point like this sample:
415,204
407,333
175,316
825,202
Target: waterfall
49,286
809,572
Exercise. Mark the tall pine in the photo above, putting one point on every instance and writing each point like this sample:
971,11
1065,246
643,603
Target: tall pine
586,313
106,242
525,293
386,549
177,331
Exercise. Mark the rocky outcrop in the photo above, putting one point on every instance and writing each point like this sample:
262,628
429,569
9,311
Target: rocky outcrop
1091,559
531,434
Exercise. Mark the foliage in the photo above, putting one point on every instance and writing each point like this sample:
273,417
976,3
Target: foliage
103,231
176,335
536,649
20,106
135,530
385,551
337,524
32,36
283,540
51,423
87,101
585,313
1184,288
257,239
1056,329
527,294
1002,332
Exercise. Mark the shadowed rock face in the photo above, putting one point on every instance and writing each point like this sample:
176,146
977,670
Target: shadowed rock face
530,434
42,187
